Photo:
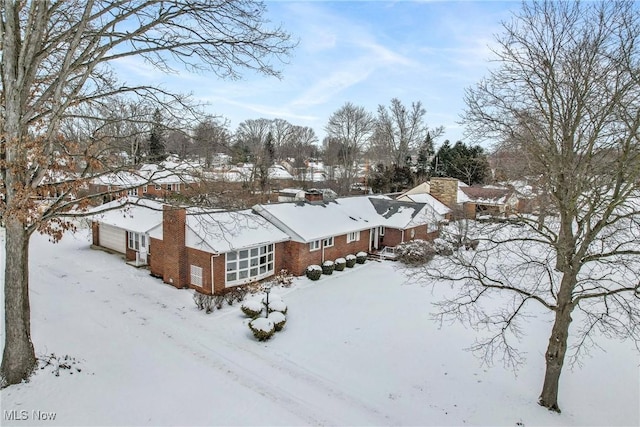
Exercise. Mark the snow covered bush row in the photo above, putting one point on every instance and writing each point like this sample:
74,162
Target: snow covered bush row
313,272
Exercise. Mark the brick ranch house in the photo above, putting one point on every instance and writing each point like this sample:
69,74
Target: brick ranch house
210,251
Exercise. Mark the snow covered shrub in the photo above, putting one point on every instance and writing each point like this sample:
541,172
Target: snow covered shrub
277,306
328,267
415,252
314,272
252,308
262,328
340,264
351,260
442,247
361,257
278,319
284,278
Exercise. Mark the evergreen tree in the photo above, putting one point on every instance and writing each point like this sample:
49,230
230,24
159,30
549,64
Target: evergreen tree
157,150
425,154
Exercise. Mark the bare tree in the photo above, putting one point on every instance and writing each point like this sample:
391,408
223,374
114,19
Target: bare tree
398,131
350,126
211,135
567,89
55,67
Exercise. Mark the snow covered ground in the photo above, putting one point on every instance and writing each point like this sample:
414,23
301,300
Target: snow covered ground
359,348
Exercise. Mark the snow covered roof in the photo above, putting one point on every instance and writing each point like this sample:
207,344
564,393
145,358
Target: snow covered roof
306,222
487,195
221,232
439,207
130,213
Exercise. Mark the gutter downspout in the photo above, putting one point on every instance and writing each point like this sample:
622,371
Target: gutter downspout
213,283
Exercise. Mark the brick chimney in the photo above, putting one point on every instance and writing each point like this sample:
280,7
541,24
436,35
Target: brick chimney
313,196
175,251
445,190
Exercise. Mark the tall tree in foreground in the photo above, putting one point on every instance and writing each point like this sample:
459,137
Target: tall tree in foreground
566,93
55,69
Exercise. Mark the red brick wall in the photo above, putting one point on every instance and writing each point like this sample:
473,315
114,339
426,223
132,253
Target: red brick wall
156,257
298,256
173,233
393,236
202,260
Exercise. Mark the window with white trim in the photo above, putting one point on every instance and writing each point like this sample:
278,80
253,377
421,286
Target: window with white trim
145,188
248,265
328,242
314,246
353,237
381,230
169,187
132,192
136,240
158,187
196,275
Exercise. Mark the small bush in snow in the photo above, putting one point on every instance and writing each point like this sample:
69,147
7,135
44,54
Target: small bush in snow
278,319
328,267
442,247
262,328
277,306
231,295
415,252
314,272
361,257
340,264
218,300
351,260
284,278
252,309
204,302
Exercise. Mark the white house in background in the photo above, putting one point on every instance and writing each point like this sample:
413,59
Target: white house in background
123,226
279,172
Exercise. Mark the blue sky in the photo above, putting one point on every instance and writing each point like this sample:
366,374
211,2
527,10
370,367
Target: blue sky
364,52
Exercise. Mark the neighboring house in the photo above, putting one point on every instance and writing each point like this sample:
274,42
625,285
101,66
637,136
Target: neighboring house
474,200
149,180
123,226
489,200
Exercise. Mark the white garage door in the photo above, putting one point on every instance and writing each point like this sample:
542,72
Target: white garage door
112,238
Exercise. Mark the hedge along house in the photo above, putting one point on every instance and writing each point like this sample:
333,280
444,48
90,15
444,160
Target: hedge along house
324,231
122,226
211,251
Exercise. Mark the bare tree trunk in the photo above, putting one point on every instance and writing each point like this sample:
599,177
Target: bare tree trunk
18,360
557,347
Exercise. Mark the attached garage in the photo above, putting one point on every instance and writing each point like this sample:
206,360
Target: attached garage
113,238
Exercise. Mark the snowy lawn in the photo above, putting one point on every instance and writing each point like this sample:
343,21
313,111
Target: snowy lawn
358,348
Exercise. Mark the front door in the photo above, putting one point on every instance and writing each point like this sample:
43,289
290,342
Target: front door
373,239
